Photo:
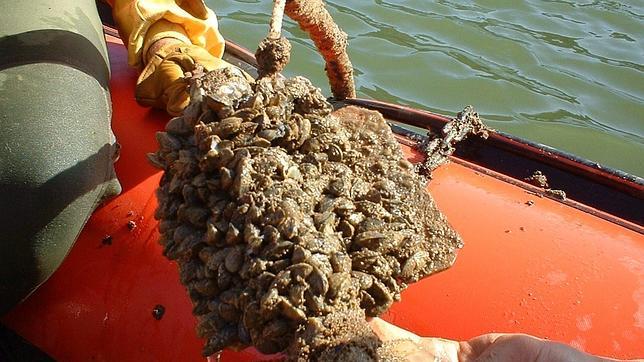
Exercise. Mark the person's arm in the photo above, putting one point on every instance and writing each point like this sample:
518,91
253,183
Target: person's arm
143,22
488,347
166,39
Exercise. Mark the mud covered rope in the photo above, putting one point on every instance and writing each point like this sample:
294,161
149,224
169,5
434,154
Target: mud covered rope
274,52
330,41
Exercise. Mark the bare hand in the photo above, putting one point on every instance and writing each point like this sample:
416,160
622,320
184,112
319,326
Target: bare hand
487,347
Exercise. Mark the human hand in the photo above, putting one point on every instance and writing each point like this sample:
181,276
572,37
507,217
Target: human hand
162,83
487,347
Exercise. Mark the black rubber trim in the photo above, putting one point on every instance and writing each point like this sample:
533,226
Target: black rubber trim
14,348
72,49
105,12
411,138
611,191
509,158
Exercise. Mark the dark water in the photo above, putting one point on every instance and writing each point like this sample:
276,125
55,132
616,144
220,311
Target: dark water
569,74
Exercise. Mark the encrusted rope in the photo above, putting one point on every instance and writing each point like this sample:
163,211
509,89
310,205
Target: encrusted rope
330,41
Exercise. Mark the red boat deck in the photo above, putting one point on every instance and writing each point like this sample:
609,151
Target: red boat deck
547,269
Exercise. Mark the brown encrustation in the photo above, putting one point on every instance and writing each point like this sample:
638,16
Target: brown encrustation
272,56
439,147
274,52
538,179
285,217
330,41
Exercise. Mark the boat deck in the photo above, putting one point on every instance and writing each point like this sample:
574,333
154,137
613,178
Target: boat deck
546,269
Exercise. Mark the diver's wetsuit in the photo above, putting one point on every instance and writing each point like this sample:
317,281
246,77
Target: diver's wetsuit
56,144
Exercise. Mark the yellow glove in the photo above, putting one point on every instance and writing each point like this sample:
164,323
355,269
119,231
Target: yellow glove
162,84
168,37
143,22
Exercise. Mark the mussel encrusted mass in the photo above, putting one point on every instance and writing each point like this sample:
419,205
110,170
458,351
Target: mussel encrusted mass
281,212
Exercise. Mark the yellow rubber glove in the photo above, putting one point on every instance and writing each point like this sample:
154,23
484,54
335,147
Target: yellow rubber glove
162,84
168,38
143,22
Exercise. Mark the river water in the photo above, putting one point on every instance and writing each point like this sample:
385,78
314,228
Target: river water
569,74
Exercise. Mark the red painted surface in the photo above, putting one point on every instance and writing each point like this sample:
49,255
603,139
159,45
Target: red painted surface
546,269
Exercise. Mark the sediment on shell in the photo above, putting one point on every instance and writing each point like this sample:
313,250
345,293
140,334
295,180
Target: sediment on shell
282,212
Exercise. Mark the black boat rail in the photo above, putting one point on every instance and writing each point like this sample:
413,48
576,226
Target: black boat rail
602,191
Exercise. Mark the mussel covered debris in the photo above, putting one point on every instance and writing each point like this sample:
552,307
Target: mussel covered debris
282,213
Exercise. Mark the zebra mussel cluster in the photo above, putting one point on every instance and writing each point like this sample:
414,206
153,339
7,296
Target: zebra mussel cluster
280,211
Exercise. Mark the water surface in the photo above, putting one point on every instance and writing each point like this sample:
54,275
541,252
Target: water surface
569,74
